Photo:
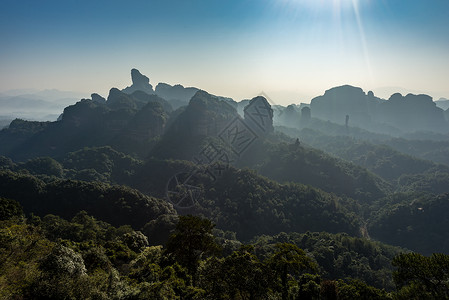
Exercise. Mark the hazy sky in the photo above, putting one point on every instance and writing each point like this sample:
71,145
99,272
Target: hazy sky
292,50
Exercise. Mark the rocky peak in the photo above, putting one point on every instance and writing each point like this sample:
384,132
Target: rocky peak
346,90
258,115
97,98
118,100
140,83
177,94
139,79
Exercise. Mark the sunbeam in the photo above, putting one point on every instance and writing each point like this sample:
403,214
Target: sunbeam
355,6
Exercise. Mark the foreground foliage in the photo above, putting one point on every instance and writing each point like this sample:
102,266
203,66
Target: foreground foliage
52,258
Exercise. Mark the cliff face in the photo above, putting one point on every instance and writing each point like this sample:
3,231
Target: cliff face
338,102
259,115
177,95
412,113
205,115
405,114
140,83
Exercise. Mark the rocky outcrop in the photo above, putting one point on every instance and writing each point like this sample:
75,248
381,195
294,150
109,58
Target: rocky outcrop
286,116
205,117
399,114
306,115
84,113
97,98
176,95
140,83
259,115
120,100
143,98
339,102
412,113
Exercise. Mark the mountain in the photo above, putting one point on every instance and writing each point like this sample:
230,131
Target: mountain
425,148
401,170
241,201
413,113
339,102
197,135
118,205
177,95
205,116
253,205
207,124
139,83
296,163
400,114
416,221
289,116
128,122
5,121
197,172
18,133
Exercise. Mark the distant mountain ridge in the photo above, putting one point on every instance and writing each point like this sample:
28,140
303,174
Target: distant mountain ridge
44,105
401,113
133,119
117,122
47,94
177,95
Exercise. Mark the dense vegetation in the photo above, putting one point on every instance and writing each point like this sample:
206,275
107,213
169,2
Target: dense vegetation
309,166
416,221
90,259
403,171
239,201
118,205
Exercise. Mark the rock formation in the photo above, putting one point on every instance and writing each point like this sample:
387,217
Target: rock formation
140,83
259,115
97,98
412,113
338,102
306,115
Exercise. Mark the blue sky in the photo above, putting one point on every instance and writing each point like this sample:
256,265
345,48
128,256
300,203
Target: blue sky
291,49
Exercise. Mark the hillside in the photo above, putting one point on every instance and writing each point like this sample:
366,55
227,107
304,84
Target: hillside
90,123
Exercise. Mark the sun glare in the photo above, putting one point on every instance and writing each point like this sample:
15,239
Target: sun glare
323,4
344,16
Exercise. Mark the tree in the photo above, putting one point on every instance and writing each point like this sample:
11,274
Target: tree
356,289
9,209
429,275
191,241
43,165
309,286
289,260
245,274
